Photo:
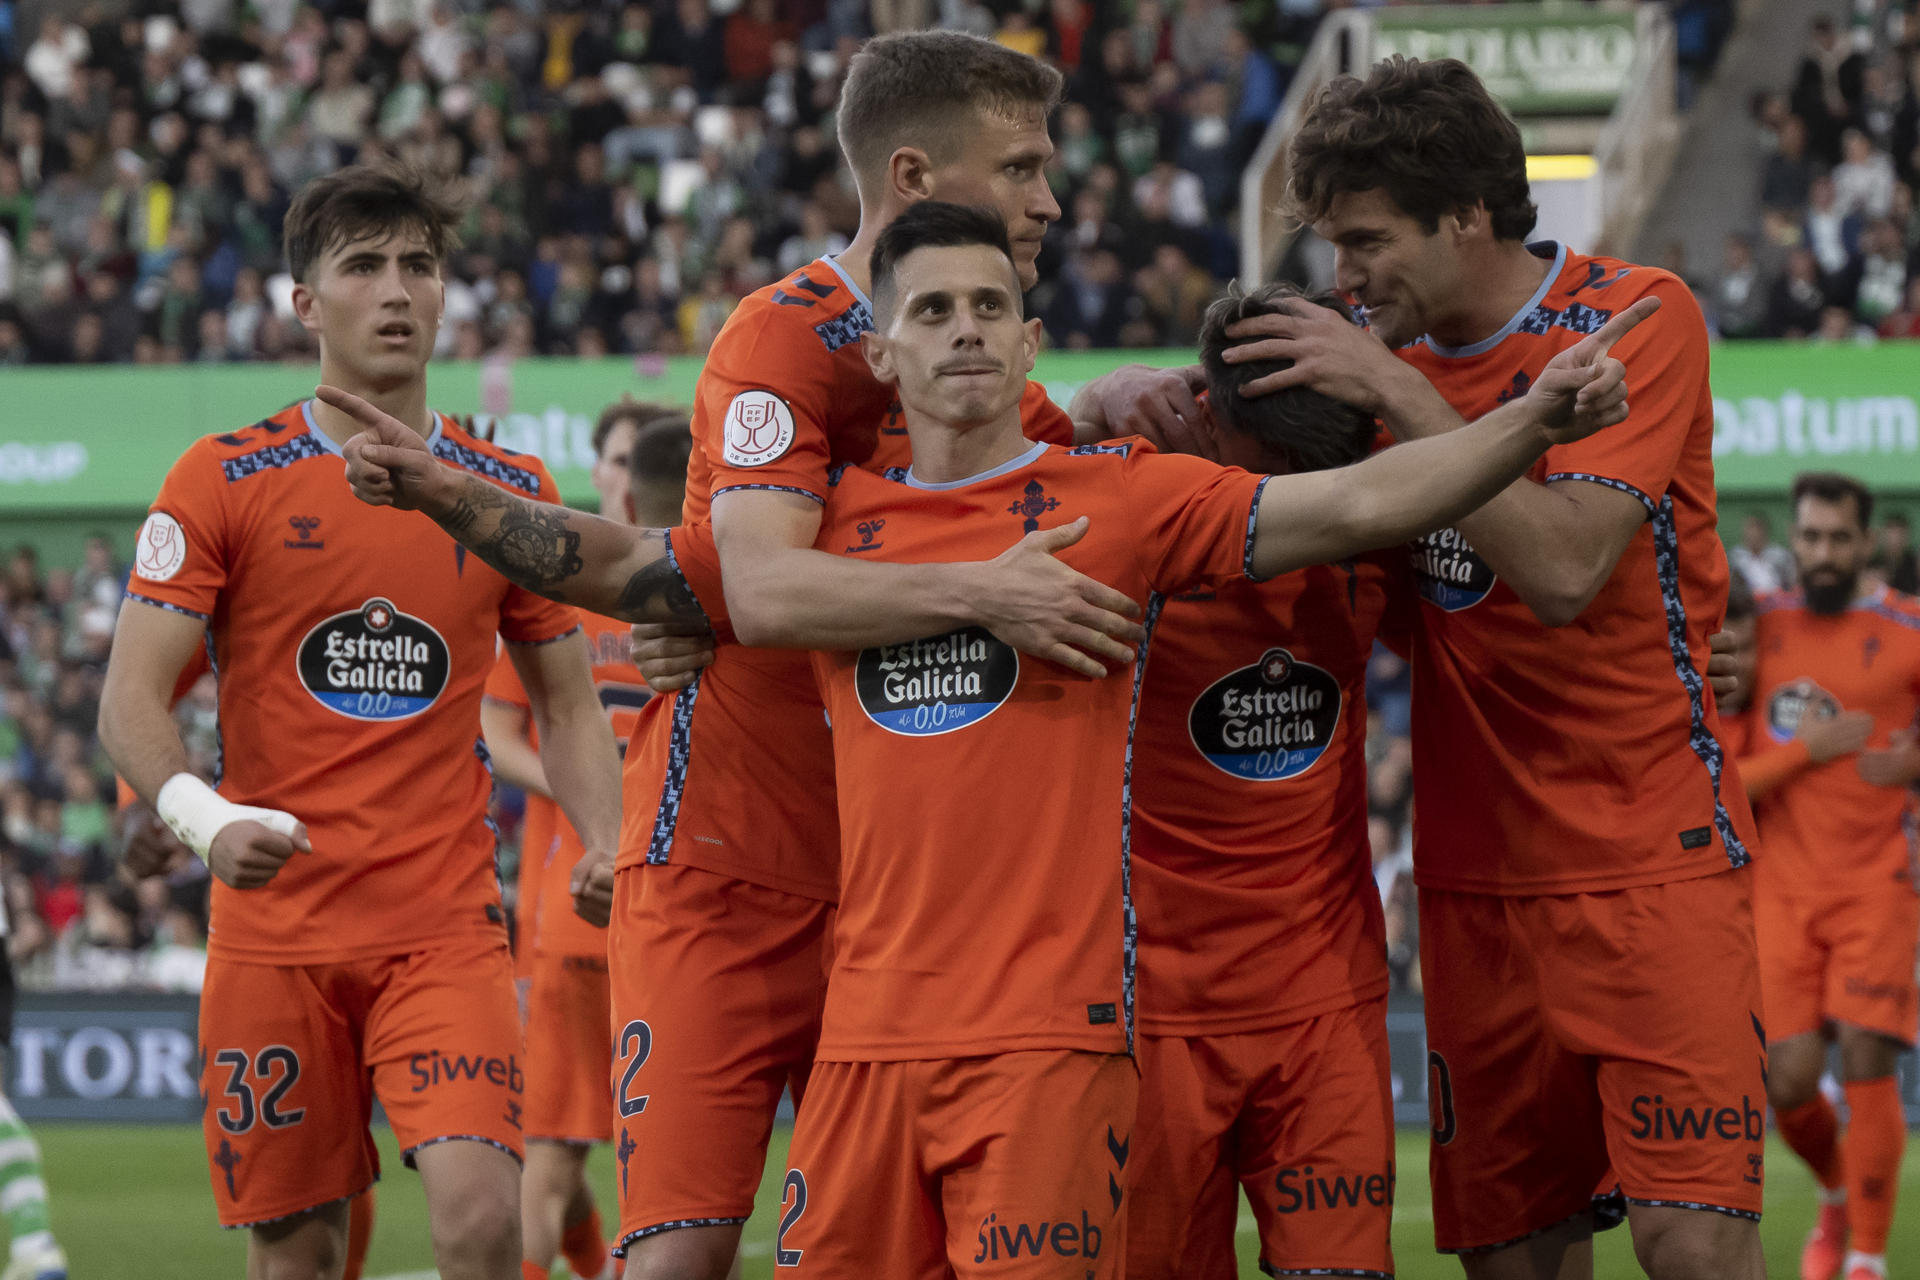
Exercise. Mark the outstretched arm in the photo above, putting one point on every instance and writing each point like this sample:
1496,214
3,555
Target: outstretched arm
781,592
1424,484
569,556
1554,544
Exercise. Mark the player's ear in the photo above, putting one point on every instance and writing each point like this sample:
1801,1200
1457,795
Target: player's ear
303,306
909,175
1468,219
1030,342
879,357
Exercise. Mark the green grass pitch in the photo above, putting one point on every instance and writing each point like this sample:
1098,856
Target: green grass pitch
136,1200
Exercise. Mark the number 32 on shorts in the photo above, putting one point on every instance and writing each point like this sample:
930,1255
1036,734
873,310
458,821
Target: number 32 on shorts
276,1069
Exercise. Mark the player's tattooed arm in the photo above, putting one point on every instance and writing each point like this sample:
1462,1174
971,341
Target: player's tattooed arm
564,555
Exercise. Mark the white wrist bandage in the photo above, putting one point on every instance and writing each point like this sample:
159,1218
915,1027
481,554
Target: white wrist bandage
196,813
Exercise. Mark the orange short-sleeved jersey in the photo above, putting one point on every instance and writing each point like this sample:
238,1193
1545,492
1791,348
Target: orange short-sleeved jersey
1252,870
784,395
351,645
551,925
985,797
1581,758
1826,829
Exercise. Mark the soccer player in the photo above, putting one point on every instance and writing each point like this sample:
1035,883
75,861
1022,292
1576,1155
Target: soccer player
1835,907
640,465
711,885
1580,855
1263,1046
358,945
973,1098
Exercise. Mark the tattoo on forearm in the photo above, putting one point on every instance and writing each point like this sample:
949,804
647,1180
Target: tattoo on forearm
657,592
532,544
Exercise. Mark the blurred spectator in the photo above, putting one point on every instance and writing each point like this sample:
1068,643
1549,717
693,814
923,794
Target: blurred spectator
1739,300
1787,178
1827,87
1894,554
1092,302
1794,305
1863,181
1764,564
1174,294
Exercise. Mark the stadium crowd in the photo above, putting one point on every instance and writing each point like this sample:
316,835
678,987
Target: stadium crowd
1837,251
633,168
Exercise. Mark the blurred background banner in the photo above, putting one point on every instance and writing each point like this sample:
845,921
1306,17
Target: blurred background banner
87,443
1572,61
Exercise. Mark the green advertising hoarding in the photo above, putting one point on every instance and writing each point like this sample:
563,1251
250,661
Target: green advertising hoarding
77,442
1537,60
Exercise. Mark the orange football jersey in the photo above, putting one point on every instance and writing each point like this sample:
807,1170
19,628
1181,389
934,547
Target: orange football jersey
785,393
985,799
1825,829
1252,871
351,644
1586,757
554,927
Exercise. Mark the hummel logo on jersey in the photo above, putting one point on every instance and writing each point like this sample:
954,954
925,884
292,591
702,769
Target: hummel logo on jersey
1033,505
303,539
1521,384
869,537
1597,277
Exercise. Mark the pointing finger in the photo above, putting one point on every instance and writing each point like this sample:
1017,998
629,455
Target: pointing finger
1623,324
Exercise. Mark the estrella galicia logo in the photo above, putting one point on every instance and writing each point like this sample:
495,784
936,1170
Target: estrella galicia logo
1448,571
374,663
936,685
1269,721
1790,702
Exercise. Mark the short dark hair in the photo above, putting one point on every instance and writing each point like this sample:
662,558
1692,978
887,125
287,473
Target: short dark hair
1740,602
1301,427
934,224
1831,486
627,409
914,88
661,449
366,201
1427,133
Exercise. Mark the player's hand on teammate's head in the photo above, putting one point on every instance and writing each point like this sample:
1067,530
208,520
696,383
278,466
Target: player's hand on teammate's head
248,854
592,887
1896,765
1723,664
1160,405
148,846
1830,737
1330,354
1034,602
388,463
668,658
1584,389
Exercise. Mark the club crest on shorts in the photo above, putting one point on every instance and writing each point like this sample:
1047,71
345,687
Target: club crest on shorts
758,429
161,547
374,663
1269,721
1789,702
936,685
1447,570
